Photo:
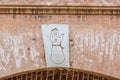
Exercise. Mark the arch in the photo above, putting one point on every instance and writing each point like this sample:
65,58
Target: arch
58,73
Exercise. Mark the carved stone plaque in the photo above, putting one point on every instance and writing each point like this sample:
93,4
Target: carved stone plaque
56,44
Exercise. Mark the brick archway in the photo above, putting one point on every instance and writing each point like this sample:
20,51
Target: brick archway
58,74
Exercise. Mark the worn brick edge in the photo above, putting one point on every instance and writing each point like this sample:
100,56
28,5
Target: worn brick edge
59,10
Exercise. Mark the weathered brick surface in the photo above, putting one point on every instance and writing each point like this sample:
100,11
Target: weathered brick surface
94,42
62,2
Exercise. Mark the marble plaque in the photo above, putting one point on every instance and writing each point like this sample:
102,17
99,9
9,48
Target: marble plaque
56,44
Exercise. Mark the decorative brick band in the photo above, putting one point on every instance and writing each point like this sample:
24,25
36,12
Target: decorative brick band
58,74
59,10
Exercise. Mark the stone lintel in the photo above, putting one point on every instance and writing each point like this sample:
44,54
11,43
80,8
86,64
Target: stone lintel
59,10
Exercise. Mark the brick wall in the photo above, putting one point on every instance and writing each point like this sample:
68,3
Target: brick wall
94,42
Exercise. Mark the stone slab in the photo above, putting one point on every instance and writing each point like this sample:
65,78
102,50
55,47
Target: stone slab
56,44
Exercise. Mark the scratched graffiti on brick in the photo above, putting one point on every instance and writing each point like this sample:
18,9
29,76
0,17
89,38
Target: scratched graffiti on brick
16,53
97,46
